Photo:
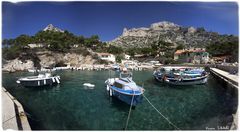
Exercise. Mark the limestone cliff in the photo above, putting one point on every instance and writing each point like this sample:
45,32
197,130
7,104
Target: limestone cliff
49,59
17,65
168,32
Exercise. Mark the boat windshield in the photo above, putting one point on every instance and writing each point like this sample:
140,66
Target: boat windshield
125,75
118,85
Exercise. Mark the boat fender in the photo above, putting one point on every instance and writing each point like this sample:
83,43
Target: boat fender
57,80
53,80
18,81
108,81
179,78
44,81
142,90
38,83
164,78
107,88
110,92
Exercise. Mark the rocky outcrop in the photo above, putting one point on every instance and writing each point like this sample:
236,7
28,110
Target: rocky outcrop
164,26
140,32
49,59
17,65
50,27
168,32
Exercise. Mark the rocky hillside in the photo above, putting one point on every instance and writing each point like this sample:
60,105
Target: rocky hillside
168,32
48,59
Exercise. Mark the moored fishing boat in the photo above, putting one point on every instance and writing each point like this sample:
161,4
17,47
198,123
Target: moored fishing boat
40,80
125,89
186,80
181,75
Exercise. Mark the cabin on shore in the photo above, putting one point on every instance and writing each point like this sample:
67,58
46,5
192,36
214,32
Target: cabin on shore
38,45
127,57
107,57
130,63
192,55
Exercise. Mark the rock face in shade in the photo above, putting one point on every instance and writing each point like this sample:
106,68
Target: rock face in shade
50,27
168,32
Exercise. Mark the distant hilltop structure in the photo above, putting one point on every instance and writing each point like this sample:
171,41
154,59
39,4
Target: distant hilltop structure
50,27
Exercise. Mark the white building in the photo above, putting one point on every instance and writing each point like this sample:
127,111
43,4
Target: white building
130,63
154,62
127,57
107,57
76,45
35,45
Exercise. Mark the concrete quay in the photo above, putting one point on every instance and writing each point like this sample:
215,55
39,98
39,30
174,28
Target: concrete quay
226,76
13,115
232,81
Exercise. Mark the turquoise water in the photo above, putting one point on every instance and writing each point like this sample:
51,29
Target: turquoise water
70,106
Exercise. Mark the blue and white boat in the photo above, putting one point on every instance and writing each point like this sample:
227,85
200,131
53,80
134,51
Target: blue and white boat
125,89
186,80
181,76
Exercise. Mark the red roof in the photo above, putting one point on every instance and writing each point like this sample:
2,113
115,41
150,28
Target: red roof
195,50
178,52
104,54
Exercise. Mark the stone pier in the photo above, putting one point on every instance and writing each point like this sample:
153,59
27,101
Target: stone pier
226,76
13,115
232,81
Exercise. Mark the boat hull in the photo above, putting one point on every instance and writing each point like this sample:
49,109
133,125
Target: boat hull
198,81
158,77
39,83
127,98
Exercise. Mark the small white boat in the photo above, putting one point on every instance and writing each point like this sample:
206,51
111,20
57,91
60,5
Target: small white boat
88,85
32,70
40,80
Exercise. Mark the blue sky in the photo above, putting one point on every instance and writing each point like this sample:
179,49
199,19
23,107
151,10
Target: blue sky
107,19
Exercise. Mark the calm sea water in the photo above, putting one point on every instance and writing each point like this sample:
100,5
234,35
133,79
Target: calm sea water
70,106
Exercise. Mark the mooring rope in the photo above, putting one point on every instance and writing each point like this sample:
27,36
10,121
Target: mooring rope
9,119
129,113
160,113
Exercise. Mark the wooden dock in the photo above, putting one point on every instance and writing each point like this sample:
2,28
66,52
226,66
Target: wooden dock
229,78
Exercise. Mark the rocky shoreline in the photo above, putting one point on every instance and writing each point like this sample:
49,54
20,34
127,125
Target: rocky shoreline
48,59
54,61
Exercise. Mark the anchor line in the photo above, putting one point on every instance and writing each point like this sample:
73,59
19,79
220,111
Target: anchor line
129,113
161,113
